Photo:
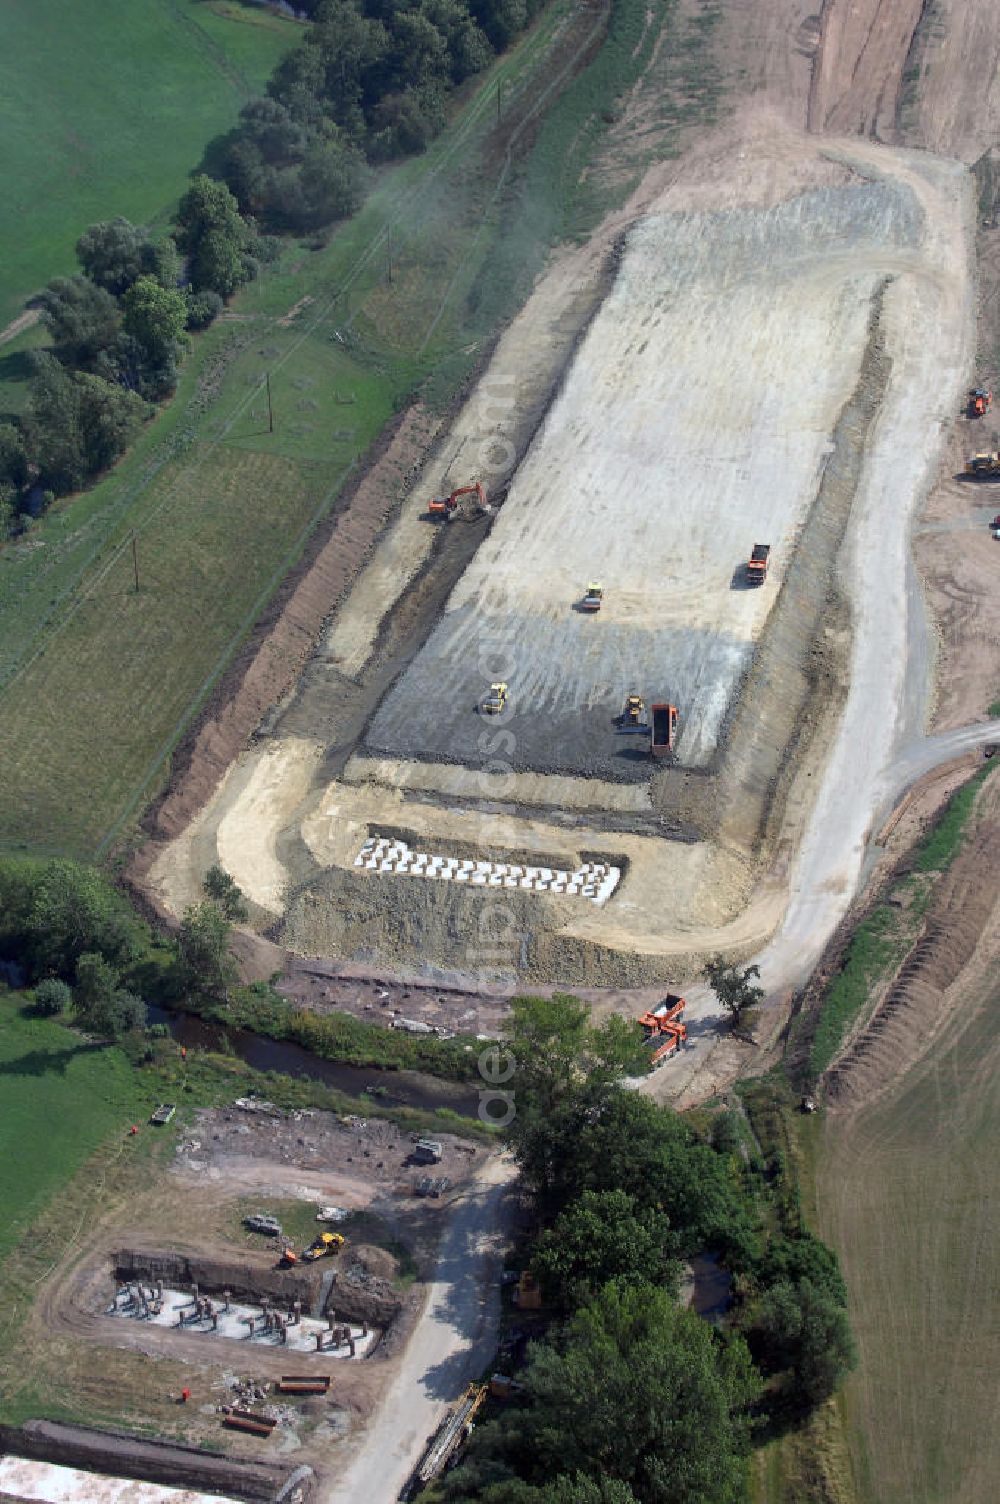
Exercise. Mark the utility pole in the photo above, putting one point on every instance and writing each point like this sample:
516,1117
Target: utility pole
499,87
135,562
270,412
388,251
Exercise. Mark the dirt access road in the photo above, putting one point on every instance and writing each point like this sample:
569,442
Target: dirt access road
452,1344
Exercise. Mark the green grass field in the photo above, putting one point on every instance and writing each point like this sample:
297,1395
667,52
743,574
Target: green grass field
106,107
62,1099
97,682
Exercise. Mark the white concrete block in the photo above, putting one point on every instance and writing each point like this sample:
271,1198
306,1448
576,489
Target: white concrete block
479,879
462,877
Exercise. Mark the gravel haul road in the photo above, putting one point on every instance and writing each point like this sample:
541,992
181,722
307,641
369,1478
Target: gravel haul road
454,1340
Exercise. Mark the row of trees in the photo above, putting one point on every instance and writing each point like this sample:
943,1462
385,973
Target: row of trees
118,331
85,952
370,82
630,1397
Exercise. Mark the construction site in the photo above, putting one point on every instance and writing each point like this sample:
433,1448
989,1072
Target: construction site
215,1314
652,616
656,645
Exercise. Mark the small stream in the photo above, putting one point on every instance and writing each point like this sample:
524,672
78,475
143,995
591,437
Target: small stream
389,1088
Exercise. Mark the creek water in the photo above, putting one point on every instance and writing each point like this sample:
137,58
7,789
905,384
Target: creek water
391,1088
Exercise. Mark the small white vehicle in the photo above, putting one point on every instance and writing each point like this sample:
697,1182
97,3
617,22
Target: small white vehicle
332,1214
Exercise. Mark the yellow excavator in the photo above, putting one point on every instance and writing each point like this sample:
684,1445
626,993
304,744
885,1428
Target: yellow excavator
323,1246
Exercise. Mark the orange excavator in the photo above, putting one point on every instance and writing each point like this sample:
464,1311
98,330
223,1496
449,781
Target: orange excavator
980,401
447,506
664,1030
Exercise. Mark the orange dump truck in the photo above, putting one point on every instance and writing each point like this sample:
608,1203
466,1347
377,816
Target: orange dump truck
663,729
664,1030
757,563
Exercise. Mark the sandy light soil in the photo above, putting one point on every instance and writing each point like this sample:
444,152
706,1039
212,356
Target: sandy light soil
670,523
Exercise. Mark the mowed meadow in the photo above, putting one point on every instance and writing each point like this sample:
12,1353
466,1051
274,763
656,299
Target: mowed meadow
99,679
106,107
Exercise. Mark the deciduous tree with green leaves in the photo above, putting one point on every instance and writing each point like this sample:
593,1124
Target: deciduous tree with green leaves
213,236
155,316
604,1235
735,988
226,892
204,963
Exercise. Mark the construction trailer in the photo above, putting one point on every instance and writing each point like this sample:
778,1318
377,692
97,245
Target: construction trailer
664,1031
447,1441
756,565
663,729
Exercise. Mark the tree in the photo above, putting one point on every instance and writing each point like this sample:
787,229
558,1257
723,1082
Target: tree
805,1330
13,457
639,1391
96,984
82,318
108,418
628,1143
75,425
155,316
562,1490
115,253
202,309
203,960
52,997
112,254
67,910
332,178
805,1257
734,988
225,891
599,1237
564,1069
212,235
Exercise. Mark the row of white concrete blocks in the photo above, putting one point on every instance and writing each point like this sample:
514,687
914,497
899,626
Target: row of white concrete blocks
595,881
